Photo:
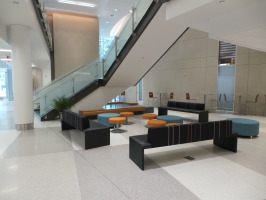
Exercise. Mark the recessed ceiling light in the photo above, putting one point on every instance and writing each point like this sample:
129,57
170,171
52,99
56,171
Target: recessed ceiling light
130,11
77,3
116,10
221,1
107,22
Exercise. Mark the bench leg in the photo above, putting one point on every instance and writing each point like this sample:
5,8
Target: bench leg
136,153
162,111
227,143
65,126
204,116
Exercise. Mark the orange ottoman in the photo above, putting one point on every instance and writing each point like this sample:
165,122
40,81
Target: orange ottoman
149,117
172,124
117,121
127,114
156,123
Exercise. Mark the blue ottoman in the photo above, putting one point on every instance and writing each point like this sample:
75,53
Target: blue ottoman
170,119
245,127
104,118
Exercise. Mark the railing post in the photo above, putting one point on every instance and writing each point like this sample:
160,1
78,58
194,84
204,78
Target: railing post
116,39
73,86
133,21
44,103
103,69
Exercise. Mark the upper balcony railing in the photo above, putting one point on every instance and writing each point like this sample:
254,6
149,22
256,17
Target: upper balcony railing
74,81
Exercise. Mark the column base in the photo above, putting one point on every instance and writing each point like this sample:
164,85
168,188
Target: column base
23,127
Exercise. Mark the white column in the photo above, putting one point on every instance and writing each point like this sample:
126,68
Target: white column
22,76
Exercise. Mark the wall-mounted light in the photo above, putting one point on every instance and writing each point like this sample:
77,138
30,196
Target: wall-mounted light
77,3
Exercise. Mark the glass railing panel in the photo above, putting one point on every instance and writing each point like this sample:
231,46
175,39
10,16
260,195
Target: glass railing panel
140,11
109,59
82,78
69,85
47,99
124,35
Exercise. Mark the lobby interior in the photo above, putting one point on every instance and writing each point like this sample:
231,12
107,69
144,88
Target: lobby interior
48,163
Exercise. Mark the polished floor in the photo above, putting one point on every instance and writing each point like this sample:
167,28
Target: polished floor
47,163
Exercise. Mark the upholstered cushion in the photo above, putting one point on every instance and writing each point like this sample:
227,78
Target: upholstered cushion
185,133
104,118
156,123
75,120
171,118
245,127
117,120
127,114
149,116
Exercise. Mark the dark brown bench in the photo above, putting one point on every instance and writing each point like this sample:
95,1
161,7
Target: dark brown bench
96,135
197,108
219,131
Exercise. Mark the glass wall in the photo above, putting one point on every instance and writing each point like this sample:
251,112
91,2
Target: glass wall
226,86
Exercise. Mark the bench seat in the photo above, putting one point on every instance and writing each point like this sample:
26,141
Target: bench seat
196,108
219,131
95,134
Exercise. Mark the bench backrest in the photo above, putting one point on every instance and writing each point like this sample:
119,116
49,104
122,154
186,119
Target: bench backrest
186,133
75,120
186,105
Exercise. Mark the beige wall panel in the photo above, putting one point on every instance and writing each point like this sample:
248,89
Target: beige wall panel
184,68
256,79
212,48
257,58
242,59
212,61
76,41
195,48
241,81
242,50
193,34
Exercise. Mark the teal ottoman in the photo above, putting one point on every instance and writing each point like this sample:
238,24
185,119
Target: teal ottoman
104,118
245,127
170,119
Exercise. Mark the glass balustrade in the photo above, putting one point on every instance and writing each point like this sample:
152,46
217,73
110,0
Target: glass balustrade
71,83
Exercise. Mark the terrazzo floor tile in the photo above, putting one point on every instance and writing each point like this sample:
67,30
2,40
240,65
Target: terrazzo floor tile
218,178
35,142
153,183
93,184
42,177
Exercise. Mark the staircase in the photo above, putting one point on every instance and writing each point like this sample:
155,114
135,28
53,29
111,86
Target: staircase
144,39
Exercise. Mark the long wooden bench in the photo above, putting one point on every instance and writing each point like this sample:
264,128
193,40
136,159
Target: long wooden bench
219,131
196,108
96,135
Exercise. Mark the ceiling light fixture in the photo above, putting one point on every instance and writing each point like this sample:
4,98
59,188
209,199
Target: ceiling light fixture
116,10
6,59
221,1
5,50
77,3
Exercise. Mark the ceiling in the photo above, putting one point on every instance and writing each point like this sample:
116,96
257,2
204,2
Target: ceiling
109,12
241,22
22,12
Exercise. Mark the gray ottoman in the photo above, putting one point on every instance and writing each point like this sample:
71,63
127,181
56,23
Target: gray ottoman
245,127
170,119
